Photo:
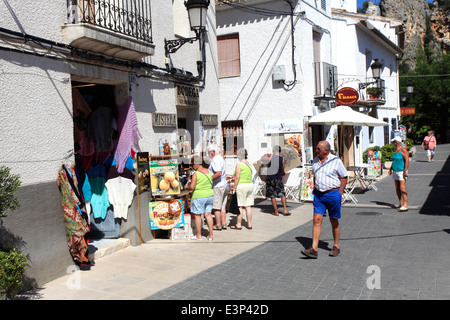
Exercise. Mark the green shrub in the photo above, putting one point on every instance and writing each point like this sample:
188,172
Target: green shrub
13,264
9,183
387,151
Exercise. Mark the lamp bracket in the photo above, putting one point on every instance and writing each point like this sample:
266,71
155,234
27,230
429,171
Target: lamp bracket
171,46
363,85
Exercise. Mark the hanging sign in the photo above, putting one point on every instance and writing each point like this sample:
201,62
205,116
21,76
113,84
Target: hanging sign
347,96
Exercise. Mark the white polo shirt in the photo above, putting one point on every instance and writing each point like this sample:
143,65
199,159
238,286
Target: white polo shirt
327,175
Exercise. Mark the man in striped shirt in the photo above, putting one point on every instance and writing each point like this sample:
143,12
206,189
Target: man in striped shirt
330,178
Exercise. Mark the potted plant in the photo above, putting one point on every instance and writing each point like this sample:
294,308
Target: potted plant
374,92
12,261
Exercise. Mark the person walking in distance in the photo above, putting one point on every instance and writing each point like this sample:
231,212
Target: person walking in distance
330,179
429,144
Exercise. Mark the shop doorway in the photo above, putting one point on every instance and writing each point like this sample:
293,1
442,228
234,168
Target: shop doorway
95,129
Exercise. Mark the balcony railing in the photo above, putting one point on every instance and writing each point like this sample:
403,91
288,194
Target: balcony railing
128,17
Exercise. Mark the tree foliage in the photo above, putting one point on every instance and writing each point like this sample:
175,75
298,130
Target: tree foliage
431,96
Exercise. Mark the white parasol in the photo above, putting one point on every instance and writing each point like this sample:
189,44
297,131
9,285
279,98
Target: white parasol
345,116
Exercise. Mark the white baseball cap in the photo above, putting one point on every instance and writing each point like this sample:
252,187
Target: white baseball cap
398,139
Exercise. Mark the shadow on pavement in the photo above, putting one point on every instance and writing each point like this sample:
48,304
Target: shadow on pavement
438,200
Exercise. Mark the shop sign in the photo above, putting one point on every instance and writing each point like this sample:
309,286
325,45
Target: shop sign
347,96
166,214
280,126
404,111
164,120
186,96
209,119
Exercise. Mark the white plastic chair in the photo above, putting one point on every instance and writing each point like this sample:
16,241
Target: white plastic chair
293,184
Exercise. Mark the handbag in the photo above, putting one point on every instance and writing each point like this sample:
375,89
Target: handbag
425,145
234,208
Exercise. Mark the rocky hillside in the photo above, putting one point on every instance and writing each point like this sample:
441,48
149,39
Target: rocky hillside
425,24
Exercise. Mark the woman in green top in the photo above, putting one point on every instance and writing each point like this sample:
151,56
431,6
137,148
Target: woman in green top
399,171
244,189
202,196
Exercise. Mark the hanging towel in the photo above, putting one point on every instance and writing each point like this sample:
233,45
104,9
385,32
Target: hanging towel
129,134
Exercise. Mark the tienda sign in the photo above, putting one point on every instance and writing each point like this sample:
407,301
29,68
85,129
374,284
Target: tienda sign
347,96
404,111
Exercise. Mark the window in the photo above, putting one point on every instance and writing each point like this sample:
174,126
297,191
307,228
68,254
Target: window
228,54
233,136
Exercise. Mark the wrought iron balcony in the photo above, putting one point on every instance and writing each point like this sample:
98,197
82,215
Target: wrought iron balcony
116,24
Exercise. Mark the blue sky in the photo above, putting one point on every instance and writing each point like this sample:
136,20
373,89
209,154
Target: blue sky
360,2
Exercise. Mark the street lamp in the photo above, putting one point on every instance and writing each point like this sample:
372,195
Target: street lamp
197,19
376,74
409,87
376,69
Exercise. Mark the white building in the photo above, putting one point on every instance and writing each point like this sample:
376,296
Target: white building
271,54
359,40
109,51
277,69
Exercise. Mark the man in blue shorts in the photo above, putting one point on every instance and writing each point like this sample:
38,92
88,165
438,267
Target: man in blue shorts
330,179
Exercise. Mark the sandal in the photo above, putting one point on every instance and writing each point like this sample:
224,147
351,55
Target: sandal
275,214
402,209
287,214
235,227
217,227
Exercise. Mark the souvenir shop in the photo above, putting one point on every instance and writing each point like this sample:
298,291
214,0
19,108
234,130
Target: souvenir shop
111,183
98,188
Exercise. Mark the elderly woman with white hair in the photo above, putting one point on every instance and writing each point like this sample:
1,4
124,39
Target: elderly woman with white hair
244,189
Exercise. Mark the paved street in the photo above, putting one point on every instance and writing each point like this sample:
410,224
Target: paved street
411,250
385,254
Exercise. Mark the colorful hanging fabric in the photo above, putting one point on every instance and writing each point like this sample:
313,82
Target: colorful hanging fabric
74,217
129,133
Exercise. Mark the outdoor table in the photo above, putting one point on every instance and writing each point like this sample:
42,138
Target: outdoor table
360,177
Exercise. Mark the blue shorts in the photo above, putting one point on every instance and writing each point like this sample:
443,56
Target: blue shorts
202,205
330,201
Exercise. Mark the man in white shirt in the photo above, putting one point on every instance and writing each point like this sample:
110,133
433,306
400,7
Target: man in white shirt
330,179
220,187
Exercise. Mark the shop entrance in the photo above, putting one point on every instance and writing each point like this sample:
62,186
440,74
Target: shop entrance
95,128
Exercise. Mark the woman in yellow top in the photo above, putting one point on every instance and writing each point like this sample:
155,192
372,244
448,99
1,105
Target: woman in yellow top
244,189
202,196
